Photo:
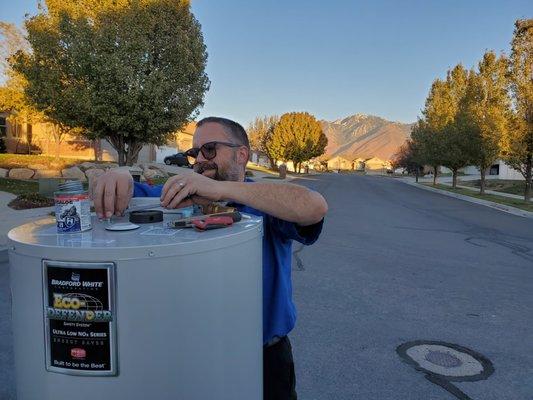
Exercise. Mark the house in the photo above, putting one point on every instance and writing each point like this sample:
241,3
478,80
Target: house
377,165
498,170
182,142
338,163
359,164
39,139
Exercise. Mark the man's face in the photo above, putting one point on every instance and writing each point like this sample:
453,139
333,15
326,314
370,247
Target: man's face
227,164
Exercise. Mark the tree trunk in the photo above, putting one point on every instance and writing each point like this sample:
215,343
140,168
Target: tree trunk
454,179
121,158
273,164
58,148
118,145
435,172
527,191
96,148
482,172
132,153
416,174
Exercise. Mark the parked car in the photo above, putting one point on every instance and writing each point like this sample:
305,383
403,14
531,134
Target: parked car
179,159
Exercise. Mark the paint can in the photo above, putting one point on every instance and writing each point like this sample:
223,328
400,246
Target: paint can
73,208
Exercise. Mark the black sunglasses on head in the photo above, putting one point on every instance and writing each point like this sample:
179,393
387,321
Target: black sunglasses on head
209,150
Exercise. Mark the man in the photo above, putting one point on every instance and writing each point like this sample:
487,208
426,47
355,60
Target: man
290,212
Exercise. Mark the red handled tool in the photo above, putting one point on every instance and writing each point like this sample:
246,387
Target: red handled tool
208,223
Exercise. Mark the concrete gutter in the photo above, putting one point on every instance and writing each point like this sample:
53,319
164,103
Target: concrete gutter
501,207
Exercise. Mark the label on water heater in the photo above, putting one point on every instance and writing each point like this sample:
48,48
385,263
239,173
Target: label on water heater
79,316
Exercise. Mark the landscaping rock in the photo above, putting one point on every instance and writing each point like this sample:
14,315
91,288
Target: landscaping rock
153,173
73,173
3,172
111,165
93,173
21,173
87,165
37,167
46,173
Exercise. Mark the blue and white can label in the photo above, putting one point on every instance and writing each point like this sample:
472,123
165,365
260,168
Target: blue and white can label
73,212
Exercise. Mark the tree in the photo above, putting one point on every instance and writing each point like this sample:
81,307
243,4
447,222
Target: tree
259,132
458,145
428,145
297,137
517,142
485,110
427,131
131,72
407,157
438,135
12,97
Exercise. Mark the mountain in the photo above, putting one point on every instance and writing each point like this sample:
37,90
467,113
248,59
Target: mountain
364,136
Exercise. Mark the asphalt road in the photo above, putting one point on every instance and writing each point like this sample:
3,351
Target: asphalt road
397,264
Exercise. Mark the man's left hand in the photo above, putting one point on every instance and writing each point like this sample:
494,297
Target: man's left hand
185,190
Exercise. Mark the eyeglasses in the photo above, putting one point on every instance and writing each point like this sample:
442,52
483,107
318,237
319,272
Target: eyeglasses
209,150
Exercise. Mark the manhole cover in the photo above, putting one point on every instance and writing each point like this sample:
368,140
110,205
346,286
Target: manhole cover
443,359
444,363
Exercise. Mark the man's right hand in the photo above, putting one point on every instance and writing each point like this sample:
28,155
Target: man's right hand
112,192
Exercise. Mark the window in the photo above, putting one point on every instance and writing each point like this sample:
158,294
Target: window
3,126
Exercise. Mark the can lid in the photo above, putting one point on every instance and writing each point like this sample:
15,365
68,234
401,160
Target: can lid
71,186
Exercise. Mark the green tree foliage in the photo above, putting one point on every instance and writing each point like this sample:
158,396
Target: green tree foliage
297,137
131,72
12,93
458,145
485,110
427,146
407,157
12,97
260,131
437,135
517,142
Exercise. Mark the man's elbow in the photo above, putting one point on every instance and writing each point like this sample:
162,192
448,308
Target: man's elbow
317,210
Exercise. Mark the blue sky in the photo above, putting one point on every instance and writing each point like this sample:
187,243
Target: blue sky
336,58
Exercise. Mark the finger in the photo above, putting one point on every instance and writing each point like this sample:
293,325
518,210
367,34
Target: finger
202,201
123,195
179,197
168,184
98,198
186,203
109,198
171,193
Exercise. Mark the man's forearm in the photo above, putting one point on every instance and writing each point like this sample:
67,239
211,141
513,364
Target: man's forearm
285,201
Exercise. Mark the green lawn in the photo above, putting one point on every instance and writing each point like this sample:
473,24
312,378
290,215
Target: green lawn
259,168
18,186
499,185
490,197
22,161
9,161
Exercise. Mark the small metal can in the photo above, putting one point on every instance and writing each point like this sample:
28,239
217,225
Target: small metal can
73,208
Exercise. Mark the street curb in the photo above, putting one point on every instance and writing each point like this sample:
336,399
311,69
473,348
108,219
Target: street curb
501,207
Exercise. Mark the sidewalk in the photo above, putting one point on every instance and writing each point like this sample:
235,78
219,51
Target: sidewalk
447,180
498,206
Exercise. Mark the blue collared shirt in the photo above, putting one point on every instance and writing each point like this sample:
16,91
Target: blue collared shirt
279,312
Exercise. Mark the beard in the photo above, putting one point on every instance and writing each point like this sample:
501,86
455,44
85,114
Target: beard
212,170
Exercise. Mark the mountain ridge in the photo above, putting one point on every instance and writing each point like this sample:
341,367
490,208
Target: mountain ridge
364,136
